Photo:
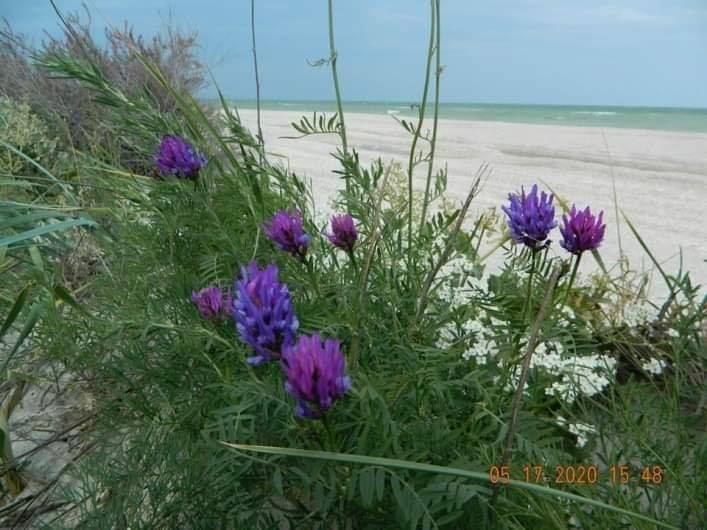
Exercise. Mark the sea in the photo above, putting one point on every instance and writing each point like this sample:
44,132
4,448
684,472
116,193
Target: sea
655,118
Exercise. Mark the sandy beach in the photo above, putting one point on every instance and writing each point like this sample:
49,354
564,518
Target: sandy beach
661,177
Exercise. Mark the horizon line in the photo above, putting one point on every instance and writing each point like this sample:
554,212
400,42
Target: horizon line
411,102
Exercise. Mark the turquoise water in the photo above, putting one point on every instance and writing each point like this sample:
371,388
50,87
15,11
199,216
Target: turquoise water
667,119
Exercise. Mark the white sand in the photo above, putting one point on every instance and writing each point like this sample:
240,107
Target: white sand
661,177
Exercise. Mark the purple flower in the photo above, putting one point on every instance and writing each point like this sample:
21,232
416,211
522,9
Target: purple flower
263,312
315,372
177,158
530,218
211,303
285,230
582,231
343,232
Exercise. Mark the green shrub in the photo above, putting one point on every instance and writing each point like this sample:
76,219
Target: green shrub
22,129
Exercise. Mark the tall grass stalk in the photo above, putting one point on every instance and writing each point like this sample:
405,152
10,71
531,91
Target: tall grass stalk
333,56
261,140
433,142
420,120
437,470
671,285
615,198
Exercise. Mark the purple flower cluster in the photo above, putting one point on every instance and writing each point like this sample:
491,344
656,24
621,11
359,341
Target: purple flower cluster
266,322
263,312
343,232
530,218
315,370
582,230
211,302
286,231
177,158
316,375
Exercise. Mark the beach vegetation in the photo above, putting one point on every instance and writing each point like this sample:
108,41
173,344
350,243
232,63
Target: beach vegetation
251,362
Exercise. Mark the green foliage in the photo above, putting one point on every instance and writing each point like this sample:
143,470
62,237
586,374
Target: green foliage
319,124
26,132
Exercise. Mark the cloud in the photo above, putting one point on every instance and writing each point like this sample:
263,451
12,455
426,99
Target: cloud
625,14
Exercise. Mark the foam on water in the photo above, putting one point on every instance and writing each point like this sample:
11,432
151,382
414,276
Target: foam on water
667,119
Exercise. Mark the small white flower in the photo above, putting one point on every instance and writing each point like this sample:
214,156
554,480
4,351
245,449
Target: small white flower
654,366
582,431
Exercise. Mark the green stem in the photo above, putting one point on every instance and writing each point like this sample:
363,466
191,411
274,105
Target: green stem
332,58
261,141
330,442
313,276
353,259
416,136
527,304
533,340
572,276
433,144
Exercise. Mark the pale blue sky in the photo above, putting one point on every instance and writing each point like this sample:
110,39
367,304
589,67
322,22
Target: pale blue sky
584,52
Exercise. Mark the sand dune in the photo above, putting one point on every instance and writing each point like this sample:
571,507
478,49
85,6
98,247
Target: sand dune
661,177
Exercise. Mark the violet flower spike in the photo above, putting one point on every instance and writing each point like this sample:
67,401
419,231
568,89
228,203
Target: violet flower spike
316,375
343,232
582,230
285,230
211,303
177,158
263,313
530,218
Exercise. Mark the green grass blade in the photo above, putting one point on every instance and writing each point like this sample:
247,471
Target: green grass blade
638,237
46,229
440,470
19,220
34,316
15,309
41,168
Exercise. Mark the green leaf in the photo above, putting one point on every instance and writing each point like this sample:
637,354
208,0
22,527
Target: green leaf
366,485
380,483
15,309
61,293
440,470
277,482
34,316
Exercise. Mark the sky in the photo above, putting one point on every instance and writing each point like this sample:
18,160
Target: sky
565,52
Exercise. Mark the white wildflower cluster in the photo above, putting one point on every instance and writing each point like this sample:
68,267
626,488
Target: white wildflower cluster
582,431
475,334
484,347
575,375
638,314
585,375
460,282
654,366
